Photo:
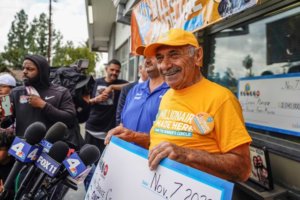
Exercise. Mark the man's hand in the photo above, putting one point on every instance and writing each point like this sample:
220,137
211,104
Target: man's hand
36,101
120,132
86,98
166,150
234,165
108,90
98,99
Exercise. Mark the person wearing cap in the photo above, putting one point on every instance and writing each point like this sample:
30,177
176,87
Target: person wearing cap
7,82
39,100
199,123
142,101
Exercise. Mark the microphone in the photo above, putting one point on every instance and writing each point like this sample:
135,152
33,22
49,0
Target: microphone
77,167
24,152
55,133
49,164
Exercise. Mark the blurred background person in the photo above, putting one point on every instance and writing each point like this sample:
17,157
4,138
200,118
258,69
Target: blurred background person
104,103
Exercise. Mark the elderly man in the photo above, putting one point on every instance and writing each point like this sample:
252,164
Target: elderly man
199,122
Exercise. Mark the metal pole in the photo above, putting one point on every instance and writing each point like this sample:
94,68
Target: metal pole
50,32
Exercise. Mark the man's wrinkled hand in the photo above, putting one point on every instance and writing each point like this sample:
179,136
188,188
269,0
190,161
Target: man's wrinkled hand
166,150
120,132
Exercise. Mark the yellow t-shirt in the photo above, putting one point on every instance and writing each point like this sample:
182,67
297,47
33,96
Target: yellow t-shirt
177,110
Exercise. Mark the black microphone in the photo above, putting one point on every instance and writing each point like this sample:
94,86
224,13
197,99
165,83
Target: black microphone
88,154
55,133
49,165
33,135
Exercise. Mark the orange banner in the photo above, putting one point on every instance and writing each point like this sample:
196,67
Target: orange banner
150,18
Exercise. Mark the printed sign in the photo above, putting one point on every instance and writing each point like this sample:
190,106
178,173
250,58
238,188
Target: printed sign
46,145
47,164
23,151
74,165
123,173
271,102
152,18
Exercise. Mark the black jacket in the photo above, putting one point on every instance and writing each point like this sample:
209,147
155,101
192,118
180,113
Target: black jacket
59,104
59,107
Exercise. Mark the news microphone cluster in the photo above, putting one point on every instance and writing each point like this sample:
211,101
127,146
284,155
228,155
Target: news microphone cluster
25,151
44,155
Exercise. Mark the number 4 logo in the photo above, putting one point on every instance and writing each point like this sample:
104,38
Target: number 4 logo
73,163
18,149
33,154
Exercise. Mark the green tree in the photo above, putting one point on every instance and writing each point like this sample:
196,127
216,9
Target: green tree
16,49
2,63
38,36
247,63
69,54
26,39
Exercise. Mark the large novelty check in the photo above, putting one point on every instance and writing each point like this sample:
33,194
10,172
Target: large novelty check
123,174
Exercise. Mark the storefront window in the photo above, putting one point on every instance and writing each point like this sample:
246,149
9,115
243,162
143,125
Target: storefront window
266,47
260,63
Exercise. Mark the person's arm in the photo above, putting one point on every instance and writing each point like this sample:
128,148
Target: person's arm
112,87
234,165
141,139
117,86
98,99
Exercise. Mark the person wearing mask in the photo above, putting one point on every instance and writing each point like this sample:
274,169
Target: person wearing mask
199,123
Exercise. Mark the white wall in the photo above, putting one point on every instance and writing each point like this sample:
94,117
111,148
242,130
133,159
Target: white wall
122,34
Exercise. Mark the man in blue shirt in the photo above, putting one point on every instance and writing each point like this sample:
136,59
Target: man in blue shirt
143,100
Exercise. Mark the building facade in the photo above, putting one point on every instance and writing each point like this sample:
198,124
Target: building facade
256,54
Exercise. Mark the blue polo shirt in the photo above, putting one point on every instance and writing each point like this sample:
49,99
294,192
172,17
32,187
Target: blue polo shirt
141,107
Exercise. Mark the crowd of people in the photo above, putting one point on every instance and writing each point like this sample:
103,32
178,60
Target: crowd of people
173,110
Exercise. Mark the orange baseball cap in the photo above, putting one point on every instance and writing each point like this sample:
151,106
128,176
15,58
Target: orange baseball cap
140,50
174,37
